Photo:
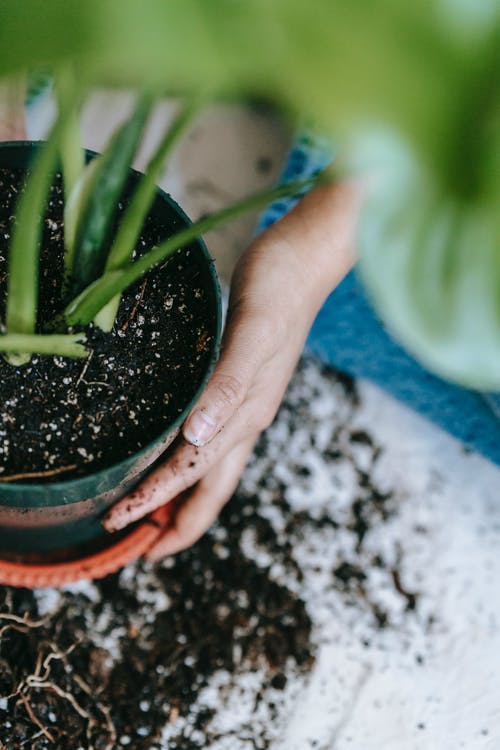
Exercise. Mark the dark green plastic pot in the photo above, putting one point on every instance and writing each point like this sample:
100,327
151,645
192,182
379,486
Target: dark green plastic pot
55,516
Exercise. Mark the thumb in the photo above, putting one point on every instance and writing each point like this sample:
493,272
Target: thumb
243,354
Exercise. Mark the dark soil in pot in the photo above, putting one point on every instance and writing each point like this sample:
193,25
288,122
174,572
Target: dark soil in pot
65,418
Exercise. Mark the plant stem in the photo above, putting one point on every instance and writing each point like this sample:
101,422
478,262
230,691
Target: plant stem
22,283
70,148
63,345
84,308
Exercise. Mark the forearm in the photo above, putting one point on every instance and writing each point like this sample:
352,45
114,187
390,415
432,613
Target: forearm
313,246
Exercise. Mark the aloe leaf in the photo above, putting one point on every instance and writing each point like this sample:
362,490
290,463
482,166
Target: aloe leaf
22,282
85,307
98,201
73,209
135,215
72,154
63,345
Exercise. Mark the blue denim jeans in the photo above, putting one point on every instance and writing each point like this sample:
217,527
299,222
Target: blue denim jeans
348,335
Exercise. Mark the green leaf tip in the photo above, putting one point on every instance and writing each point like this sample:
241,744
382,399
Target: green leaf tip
63,345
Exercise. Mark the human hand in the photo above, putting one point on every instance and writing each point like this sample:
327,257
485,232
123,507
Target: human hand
278,287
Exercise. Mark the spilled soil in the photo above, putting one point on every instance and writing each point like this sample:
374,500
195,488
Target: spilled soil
151,658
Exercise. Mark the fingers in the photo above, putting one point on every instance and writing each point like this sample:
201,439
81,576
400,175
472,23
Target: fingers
201,507
223,395
247,346
265,312
182,470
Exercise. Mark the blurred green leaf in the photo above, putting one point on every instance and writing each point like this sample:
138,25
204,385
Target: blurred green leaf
432,264
70,144
339,60
411,66
427,71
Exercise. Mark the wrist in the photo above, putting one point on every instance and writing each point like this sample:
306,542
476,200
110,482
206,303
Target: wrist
315,244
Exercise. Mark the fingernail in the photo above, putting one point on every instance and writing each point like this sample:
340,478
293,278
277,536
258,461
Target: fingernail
117,518
200,428
110,524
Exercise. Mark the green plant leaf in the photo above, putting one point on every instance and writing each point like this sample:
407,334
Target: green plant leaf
22,279
133,218
97,194
63,345
74,208
341,61
422,69
432,265
70,145
86,306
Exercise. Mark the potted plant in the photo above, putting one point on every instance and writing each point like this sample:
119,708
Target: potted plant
112,323
409,93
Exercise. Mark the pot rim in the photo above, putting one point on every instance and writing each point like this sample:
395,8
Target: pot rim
92,566
59,486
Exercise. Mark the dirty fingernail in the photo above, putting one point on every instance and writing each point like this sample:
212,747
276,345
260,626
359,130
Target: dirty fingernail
115,519
200,428
109,523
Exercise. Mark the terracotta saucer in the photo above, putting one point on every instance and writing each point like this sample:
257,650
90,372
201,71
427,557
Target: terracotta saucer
76,564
